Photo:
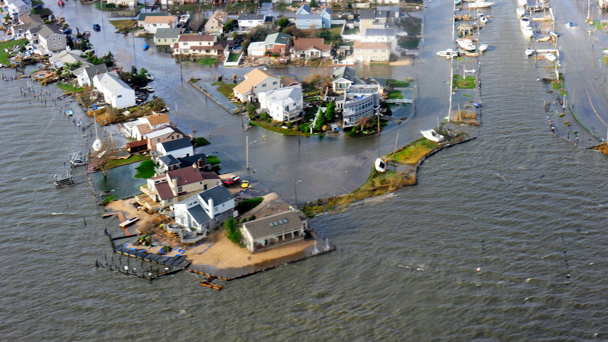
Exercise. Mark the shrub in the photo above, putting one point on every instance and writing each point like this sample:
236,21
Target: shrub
232,232
263,116
252,217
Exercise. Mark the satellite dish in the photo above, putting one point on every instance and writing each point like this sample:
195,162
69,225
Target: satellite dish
97,145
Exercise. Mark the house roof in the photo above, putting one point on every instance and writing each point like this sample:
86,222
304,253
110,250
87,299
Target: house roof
167,19
375,14
169,160
112,83
221,45
345,72
285,96
273,225
288,81
46,31
198,214
370,81
210,175
311,43
311,16
188,161
256,45
142,16
167,33
157,119
327,10
196,38
252,17
387,32
219,15
185,176
370,45
277,38
269,19
143,128
96,70
218,193
176,144
159,132
304,8
164,190
253,78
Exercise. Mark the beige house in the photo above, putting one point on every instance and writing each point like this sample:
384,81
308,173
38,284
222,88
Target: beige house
256,81
178,185
216,23
274,231
199,45
371,52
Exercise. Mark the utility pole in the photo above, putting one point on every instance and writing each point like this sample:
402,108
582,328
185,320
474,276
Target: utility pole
295,193
247,153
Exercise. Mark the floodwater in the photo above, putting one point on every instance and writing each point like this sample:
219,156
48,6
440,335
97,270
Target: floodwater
502,239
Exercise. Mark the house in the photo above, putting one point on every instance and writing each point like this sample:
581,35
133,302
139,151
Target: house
269,22
199,159
356,104
115,92
283,104
17,8
274,231
167,36
64,57
87,74
177,185
206,210
256,49
169,163
123,3
162,135
249,21
138,128
154,23
142,17
371,52
216,23
375,35
156,121
256,81
47,38
342,78
277,43
396,10
26,22
367,85
379,19
310,48
179,148
305,19
197,45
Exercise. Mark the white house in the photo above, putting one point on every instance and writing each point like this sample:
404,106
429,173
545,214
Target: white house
256,49
18,8
138,128
87,74
256,81
374,35
283,104
216,23
178,148
274,231
249,21
130,3
115,92
154,23
206,210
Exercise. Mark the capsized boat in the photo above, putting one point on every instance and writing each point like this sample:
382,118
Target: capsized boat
380,165
69,113
524,22
529,52
432,135
527,32
520,12
481,4
466,44
483,20
448,53
483,47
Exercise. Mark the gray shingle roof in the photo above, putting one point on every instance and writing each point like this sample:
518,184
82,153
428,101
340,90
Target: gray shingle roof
177,144
252,17
308,17
169,160
218,193
96,70
389,32
167,33
345,72
266,226
199,214
112,83
188,161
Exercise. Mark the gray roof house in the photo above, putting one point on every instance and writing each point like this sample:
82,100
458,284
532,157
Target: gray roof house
86,73
273,231
167,36
179,148
49,38
342,78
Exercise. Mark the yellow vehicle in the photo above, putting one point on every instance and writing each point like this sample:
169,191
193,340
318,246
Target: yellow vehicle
244,183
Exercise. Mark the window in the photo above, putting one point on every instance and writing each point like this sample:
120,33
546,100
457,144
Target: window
383,50
119,96
53,39
185,43
274,83
375,50
384,57
358,50
375,57
165,40
179,189
59,38
59,45
264,85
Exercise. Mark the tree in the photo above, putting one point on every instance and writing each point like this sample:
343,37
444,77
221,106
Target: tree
228,26
233,233
313,3
320,121
329,113
108,59
250,108
283,23
363,121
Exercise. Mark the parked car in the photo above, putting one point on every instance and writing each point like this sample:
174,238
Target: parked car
232,180
245,183
96,27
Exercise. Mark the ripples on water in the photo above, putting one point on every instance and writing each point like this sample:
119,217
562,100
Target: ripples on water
524,207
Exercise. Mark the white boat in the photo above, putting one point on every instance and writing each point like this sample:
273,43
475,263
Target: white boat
380,165
129,222
97,145
481,4
184,19
522,2
529,52
483,20
520,12
550,57
466,44
483,47
432,135
448,53
524,22
527,32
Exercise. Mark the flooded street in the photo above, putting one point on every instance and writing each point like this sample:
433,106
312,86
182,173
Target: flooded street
504,237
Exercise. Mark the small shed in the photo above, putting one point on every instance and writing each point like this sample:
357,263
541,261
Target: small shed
137,146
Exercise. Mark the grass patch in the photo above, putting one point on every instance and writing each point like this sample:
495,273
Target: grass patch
225,88
206,61
107,200
4,56
394,95
466,83
201,142
145,169
112,163
213,160
335,29
125,25
281,130
68,88
233,58
351,31
409,43
246,205
417,149
190,7
397,84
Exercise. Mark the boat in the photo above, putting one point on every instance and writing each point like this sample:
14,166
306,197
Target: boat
380,165
543,39
550,57
77,159
523,3
554,34
466,44
457,2
528,32
184,19
150,77
448,53
481,4
432,135
149,89
146,47
483,19
524,22
520,12
129,222
69,112
529,52
483,47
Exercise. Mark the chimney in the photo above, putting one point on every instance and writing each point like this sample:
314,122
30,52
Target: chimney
194,165
199,162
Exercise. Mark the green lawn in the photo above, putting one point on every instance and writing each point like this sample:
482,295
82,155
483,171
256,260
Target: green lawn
394,95
206,61
412,153
201,142
246,205
145,169
190,7
233,57
68,88
335,29
225,88
112,163
213,160
4,58
467,83
397,83
279,129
